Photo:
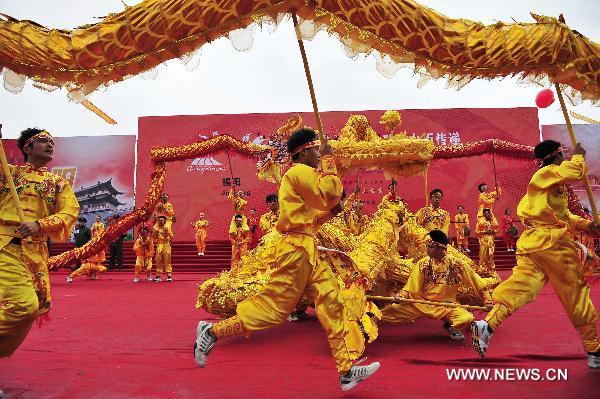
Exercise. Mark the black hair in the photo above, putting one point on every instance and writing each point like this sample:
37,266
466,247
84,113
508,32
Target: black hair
299,138
434,191
272,198
238,216
160,217
506,210
26,135
82,219
439,236
486,209
460,206
480,186
545,148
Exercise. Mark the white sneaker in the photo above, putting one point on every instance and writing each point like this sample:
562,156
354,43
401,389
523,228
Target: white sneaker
455,334
136,280
69,279
169,279
480,335
468,250
205,342
593,360
157,280
293,317
357,374
148,278
199,253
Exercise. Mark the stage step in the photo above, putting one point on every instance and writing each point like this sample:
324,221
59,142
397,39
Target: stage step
218,255
184,256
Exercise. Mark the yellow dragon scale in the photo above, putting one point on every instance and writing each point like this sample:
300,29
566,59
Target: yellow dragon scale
154,31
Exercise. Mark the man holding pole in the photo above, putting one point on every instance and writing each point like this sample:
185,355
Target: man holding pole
546,252
437,278
34,205
304,195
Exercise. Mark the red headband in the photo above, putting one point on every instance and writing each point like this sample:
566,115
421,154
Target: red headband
435,243
540,161
41,135
310,144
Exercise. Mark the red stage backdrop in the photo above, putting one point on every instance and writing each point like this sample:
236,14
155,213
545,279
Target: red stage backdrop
201,185
589,137
99,168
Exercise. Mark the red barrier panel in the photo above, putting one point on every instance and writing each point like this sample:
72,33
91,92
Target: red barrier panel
201,184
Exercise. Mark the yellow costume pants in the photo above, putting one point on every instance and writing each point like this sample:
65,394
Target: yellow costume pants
560,266
486,254
18,300
293,277
462,241
405,312
143,263
87,268
163,263
201,240
237,252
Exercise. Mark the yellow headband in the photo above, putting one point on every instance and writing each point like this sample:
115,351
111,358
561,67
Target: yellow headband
36,137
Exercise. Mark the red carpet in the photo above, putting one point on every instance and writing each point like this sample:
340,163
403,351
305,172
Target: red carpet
115,339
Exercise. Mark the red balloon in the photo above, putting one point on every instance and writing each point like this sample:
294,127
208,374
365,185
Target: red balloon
544,98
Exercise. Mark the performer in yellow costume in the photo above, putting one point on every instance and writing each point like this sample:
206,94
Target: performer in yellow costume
240,236
461,223
432,217
546,252
201,231
50,210
92,265
165,208
162,237
144,251
436,277
239,205
302,194
268,221
98,227
486,230
486,199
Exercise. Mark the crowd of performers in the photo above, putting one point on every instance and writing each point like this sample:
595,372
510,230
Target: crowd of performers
315,248
152,246
323,252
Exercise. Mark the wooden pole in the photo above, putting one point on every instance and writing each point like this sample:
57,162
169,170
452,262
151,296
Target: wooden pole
423,302
311,88
426,177
230,170
586,181
495,174
11,183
